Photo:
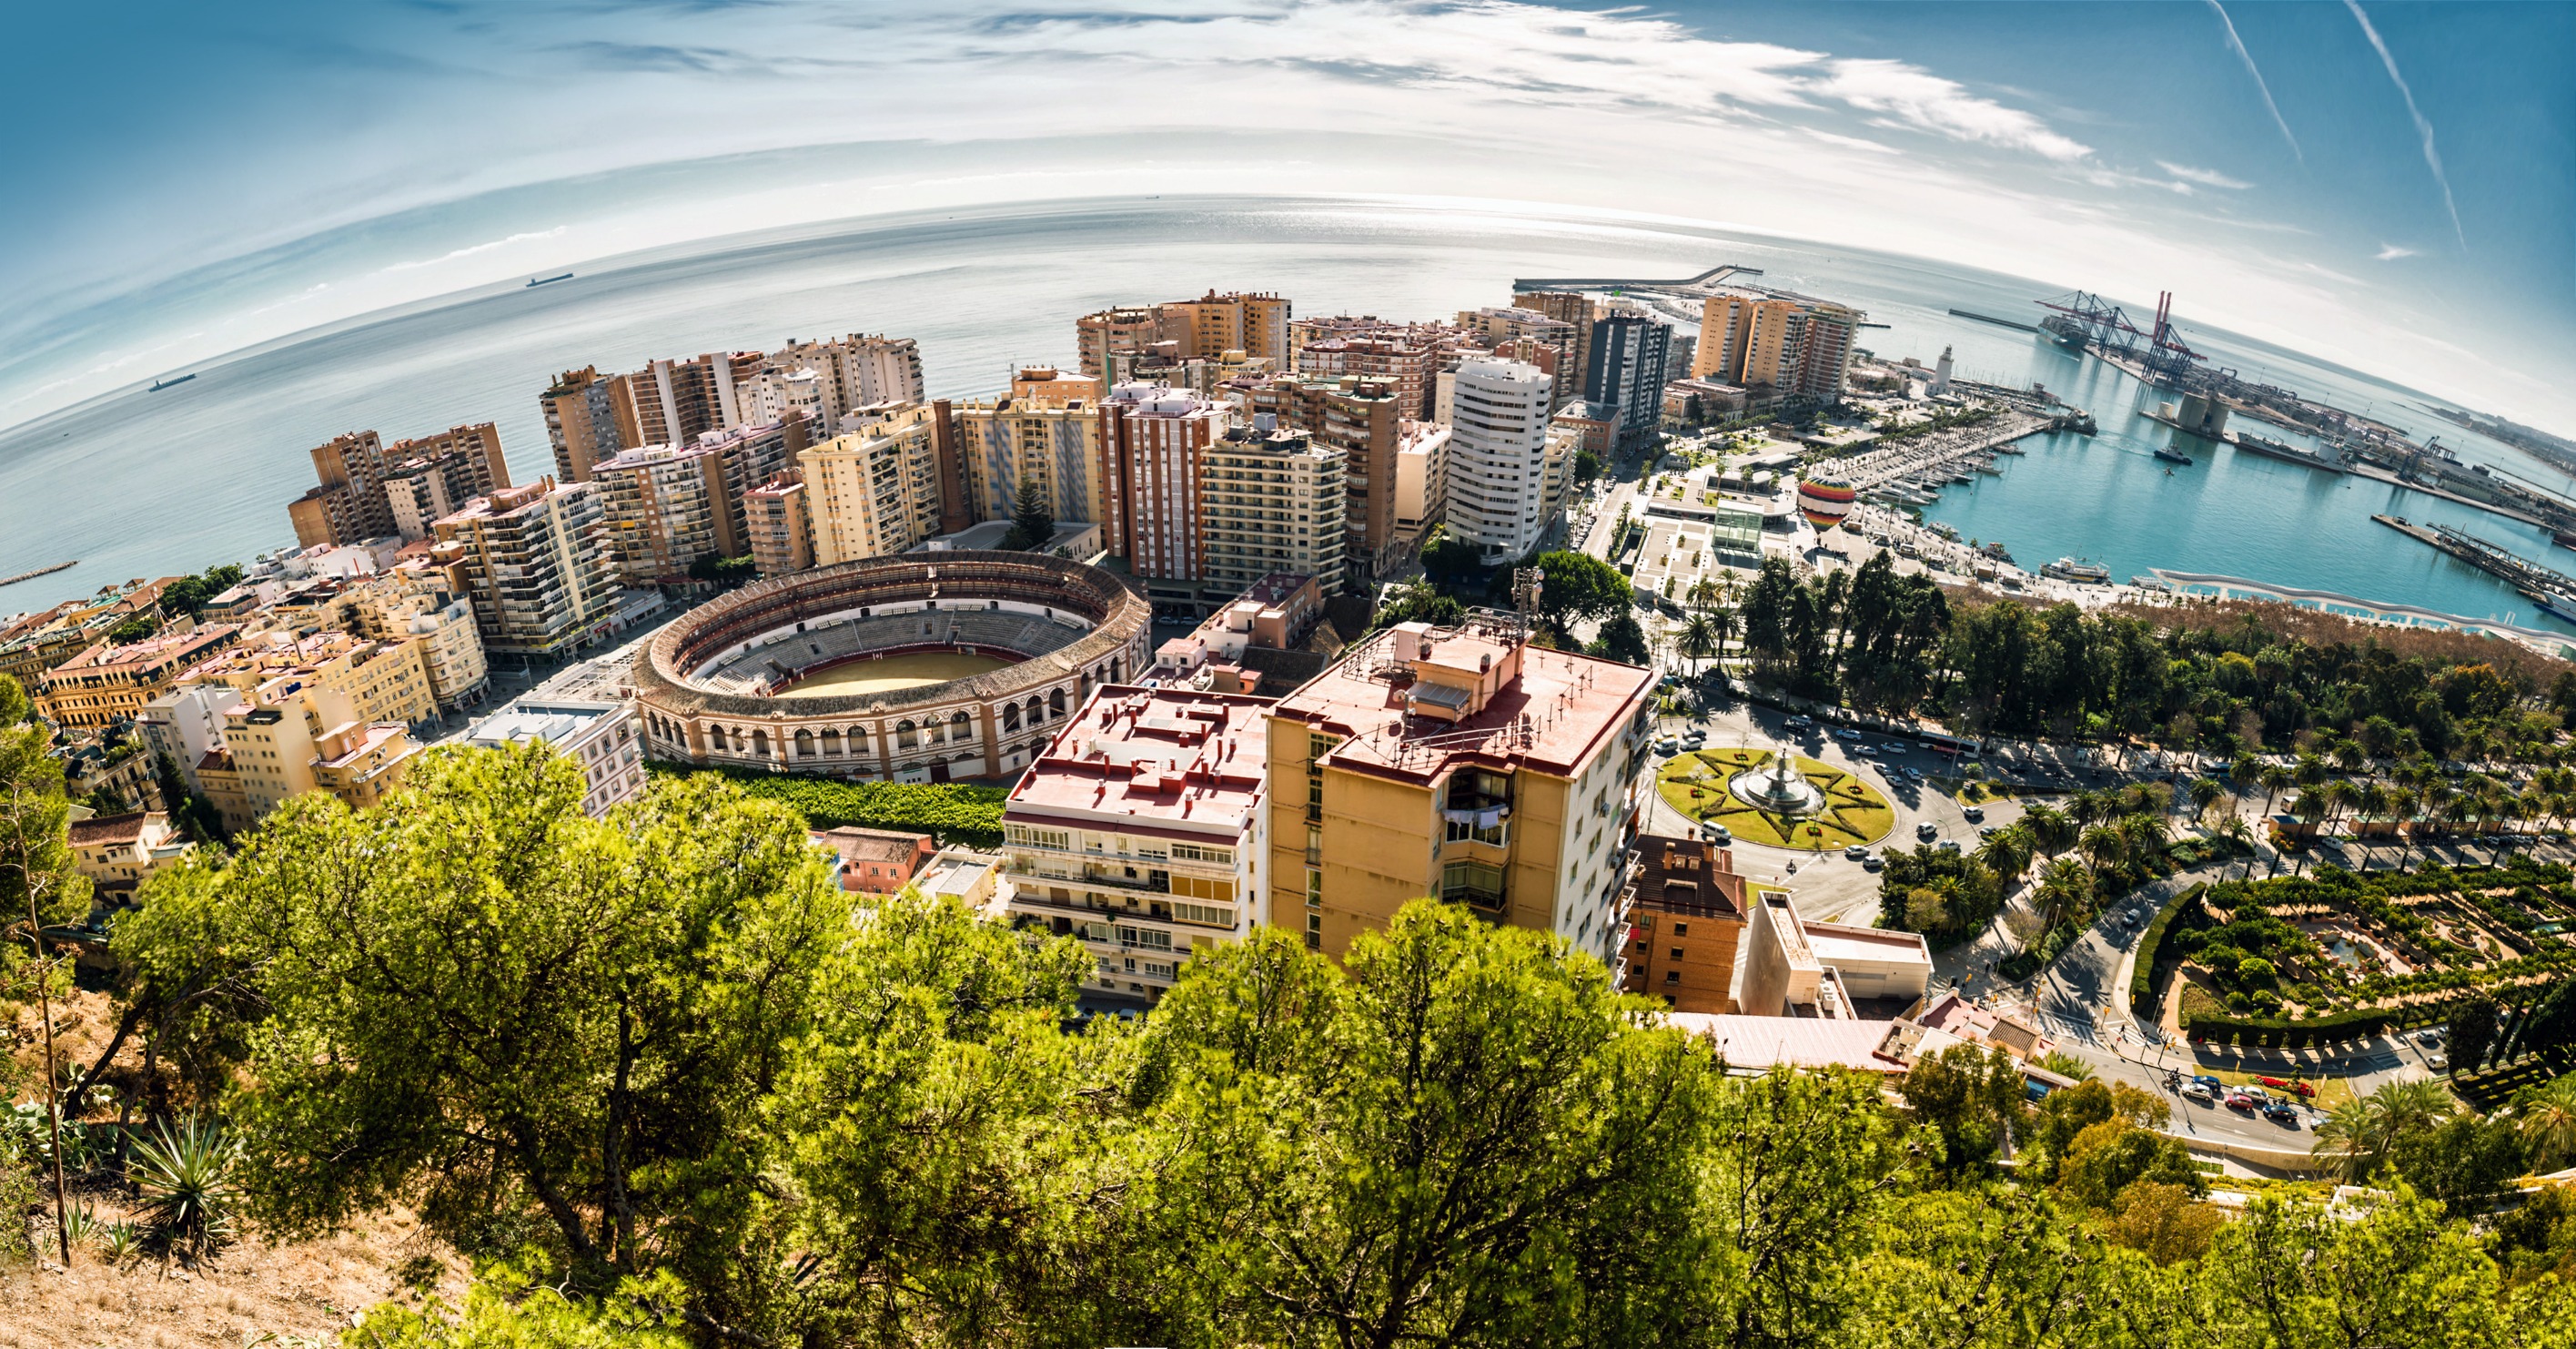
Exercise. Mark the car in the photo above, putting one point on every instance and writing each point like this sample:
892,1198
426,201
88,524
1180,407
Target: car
1799,724
1975,814
1989,831
1667,745
1873,863
2431,1037
1891,747
1927,831
1947,845
2197,1090
1858,852
2129,920
2238,1100
2438,1062
2282,1112
2212,1083
1847,733
1718,834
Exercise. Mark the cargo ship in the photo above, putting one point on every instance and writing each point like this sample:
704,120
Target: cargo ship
159,384
2273,449
536,281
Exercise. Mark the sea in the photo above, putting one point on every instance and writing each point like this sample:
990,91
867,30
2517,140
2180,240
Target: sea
141,483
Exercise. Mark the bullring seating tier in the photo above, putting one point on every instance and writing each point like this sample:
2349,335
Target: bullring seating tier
777,664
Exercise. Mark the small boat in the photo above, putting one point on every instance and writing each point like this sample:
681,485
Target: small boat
2564,538
2553,604
2068,569
536,281
159,384
2173,456
1996,551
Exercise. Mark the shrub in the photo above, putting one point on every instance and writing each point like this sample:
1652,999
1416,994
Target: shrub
951,812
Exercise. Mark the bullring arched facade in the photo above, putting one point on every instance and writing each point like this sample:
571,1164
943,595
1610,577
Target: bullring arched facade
702,685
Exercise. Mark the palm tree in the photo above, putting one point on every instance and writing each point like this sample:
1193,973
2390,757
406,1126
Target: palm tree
2347,1143
2276,779
2205,793
2007,853
2088,807
2066,884
2549,1124
2051,830
2236,831
2356,1138
2350,756
1698,639
2103,846
2145,836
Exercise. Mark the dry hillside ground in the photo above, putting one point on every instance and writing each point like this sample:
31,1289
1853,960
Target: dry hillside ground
257,1293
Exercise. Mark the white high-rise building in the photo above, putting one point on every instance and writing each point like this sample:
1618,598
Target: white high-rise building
1497,495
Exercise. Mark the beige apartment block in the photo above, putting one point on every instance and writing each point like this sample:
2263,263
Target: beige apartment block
1272,502
1125,331
665,509
291,739
107,684
581,422
874,492
781,527
1464,764
1141,830
383,680
535,561
1048,430
858,371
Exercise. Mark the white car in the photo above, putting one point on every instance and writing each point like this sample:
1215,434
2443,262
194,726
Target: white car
2198,1091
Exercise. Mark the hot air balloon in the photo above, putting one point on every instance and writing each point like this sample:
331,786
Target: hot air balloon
1825,502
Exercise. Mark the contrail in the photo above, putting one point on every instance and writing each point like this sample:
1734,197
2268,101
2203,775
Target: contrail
2237,45
2432,157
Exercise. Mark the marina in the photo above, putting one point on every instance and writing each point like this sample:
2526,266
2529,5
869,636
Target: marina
2553,591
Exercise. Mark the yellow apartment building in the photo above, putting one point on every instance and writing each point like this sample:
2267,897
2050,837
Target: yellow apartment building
1462,763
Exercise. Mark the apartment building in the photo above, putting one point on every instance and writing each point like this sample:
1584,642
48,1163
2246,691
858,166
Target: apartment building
117,852
1685,908
1047,430
413,602
1141,830
185,725
40,641
1421,481
1254,323
874,491
1497,470
536,563
1122,331
858,371
1461,763
1363,419
581,422
1522,334
108,684
1624,373
1575,310
1827,971
385,681
601,738
1788,345
664,508
781,528
288,738
1271,500
1407,356
350,504
1153,443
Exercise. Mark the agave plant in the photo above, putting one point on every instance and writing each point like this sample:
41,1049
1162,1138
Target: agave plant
184,1179
120,1242
80,1225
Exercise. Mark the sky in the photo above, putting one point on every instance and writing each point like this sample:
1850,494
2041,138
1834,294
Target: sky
2387,186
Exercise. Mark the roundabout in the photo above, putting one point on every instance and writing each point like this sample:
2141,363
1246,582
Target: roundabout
1775,798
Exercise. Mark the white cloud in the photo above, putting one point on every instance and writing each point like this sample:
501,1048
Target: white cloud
471,249
1927,102
2204,177
2392,252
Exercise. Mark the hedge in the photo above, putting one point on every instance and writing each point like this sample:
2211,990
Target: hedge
951,812
2142,985
2272,1033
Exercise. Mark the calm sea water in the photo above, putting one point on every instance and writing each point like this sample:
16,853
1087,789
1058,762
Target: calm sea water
144,483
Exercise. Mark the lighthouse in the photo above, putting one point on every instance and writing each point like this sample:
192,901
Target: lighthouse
1941,374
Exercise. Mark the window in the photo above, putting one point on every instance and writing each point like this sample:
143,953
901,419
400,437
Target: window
1189,852
1681,929
1203,913
1677,953
1672,976
1314,889
1197,888
1151,939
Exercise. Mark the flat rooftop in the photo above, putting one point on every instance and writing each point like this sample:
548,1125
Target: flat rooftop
1559,712
1178,758
552,723
164,646
1840,944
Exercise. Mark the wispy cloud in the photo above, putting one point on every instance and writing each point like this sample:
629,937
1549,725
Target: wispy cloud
2237,45
2204,177
1920,99
472,249
2392,252
2423,128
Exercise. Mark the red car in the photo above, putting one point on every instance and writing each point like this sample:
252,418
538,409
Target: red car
2237,1100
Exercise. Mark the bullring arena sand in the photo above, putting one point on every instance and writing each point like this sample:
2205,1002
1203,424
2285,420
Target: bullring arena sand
885,674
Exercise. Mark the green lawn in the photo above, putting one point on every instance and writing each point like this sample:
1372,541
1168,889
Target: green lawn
1695,784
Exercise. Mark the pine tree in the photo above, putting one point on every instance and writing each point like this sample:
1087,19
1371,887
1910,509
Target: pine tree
1032,523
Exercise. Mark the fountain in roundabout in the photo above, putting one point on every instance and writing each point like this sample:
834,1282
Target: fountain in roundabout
1777,787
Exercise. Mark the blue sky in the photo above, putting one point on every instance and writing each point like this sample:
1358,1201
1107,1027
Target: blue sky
191,179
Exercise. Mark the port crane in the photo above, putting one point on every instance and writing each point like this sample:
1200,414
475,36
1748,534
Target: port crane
2087,319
